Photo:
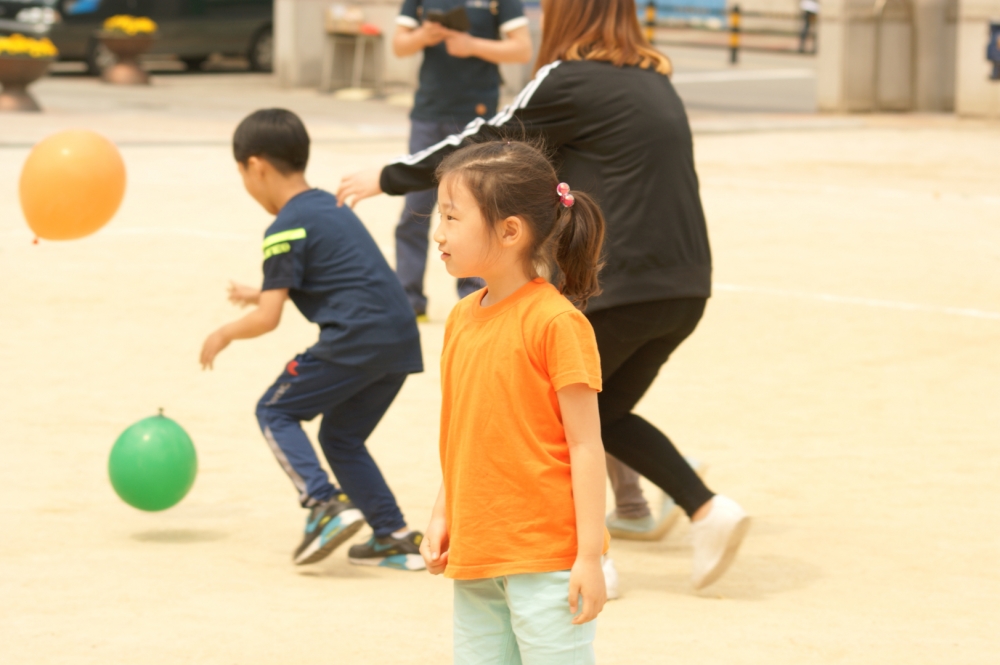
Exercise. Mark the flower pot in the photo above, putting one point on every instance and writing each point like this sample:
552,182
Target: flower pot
16,72
127,50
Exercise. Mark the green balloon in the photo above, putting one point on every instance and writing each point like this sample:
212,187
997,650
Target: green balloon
153,464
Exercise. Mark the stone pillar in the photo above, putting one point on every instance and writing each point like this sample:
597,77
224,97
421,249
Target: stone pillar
299,33
935,25
865,60
976,94
298,41
830,30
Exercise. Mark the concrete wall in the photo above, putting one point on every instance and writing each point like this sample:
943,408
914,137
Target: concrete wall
298,41
903,62
975,94
865,64
936,28
383,13
299,35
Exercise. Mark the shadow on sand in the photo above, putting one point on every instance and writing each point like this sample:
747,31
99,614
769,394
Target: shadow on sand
179,536
752,577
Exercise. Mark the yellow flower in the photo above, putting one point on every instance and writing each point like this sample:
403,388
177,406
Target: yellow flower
130,25
33,48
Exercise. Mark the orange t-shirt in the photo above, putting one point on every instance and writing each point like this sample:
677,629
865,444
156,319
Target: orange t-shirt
504,455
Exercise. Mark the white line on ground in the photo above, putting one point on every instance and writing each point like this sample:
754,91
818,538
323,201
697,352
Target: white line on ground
865,302
167,231
733,288
367,138
26,235
701,126
724,76
837,190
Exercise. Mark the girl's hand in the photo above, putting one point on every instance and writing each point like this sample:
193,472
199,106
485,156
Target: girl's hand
243,295
358,186
434,547
587,579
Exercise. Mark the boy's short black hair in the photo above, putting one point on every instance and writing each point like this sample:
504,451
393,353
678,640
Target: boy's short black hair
276,135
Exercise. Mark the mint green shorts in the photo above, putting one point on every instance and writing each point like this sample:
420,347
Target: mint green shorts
519,620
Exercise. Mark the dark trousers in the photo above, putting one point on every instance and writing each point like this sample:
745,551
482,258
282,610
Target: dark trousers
634,342
415,223
808,20
352,401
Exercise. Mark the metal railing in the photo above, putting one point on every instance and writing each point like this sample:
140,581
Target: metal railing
729,20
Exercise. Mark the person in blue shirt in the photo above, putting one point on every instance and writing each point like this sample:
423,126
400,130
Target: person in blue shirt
459,82
321,257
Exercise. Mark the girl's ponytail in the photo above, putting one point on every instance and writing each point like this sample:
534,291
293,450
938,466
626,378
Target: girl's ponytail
577,245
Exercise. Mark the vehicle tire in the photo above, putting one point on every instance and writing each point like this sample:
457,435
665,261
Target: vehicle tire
194,63
99,57
261,53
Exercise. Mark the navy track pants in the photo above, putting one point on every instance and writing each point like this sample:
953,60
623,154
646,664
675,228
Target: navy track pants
351,400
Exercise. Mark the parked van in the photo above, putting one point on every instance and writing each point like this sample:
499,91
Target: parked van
192,30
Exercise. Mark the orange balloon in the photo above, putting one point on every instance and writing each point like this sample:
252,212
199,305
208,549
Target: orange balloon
71,185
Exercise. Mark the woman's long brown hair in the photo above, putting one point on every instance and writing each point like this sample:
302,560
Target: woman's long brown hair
605,30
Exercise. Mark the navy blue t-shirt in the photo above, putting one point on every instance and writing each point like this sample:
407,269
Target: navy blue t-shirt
337,277
460,89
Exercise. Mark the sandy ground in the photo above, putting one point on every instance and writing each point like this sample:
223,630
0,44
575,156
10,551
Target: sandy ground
843,386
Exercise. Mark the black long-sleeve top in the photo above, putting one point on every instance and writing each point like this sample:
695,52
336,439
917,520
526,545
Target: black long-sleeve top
621,135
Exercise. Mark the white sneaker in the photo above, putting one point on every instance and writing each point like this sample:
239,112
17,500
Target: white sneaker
610,578
716,540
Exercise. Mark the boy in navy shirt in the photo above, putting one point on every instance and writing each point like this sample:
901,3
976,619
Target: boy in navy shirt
459,82
321,257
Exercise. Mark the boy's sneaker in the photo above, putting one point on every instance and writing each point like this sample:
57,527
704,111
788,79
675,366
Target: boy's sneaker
400,553
329,526
716,540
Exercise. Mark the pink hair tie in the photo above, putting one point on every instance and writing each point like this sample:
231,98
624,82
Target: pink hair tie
564,196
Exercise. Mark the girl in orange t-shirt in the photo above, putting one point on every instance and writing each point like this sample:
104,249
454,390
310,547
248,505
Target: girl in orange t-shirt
519,520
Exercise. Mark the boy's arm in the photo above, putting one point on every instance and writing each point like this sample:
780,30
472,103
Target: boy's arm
262,320
407,41
243,295
515,47
578,404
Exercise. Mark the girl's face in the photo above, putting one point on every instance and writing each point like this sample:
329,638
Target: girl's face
463,237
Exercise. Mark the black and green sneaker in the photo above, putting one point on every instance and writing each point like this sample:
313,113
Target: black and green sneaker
400,553
329,526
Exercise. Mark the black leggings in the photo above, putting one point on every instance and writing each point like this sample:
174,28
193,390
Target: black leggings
634,341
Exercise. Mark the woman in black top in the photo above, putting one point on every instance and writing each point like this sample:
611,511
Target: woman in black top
602,102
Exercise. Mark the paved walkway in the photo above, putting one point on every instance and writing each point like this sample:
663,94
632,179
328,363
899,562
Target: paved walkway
843,386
